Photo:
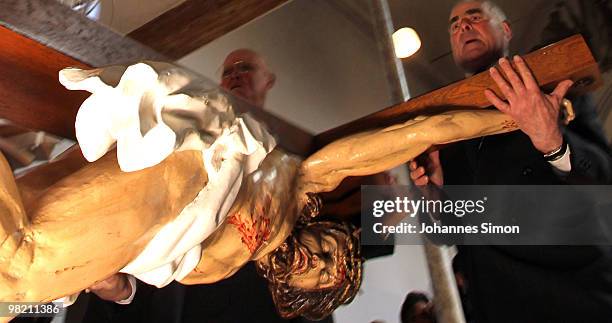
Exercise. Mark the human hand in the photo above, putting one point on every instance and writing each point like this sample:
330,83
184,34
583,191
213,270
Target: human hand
536,113
114,288
426,168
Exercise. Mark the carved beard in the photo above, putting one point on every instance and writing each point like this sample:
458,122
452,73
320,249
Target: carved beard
292,257
289,259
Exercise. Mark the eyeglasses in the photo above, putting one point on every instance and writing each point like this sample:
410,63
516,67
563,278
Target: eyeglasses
239,67
472,18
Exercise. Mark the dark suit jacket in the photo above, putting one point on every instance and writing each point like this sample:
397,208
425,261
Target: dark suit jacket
535,283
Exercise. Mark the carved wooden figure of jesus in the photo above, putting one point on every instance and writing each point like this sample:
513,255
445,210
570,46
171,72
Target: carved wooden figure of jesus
180,188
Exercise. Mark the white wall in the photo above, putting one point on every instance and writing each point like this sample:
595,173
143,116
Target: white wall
328,72
386,281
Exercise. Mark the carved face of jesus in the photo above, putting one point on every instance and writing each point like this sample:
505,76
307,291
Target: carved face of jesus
325,249
317,269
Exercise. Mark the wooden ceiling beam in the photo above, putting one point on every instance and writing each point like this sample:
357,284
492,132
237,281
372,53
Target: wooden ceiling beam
195,23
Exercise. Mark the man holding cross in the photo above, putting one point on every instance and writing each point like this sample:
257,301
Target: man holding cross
570,283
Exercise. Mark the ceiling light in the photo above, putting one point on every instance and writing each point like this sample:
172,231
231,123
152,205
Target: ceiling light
406,42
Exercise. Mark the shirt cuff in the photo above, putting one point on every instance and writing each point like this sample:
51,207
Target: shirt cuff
67,300
563,164
132,282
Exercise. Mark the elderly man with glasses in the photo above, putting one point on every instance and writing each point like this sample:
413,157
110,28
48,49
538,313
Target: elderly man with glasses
247,76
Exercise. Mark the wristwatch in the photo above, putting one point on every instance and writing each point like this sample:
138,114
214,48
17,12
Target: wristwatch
557,153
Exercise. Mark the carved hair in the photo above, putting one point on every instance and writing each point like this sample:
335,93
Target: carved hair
291,258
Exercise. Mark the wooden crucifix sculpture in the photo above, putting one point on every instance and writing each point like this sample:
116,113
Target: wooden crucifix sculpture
72,223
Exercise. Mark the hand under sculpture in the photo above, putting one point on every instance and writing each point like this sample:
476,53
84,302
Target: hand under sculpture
206,196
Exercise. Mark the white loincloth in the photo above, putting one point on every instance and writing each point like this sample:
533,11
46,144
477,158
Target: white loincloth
175,251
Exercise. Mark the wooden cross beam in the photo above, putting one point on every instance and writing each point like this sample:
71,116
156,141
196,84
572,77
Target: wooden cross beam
30,94
568,58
